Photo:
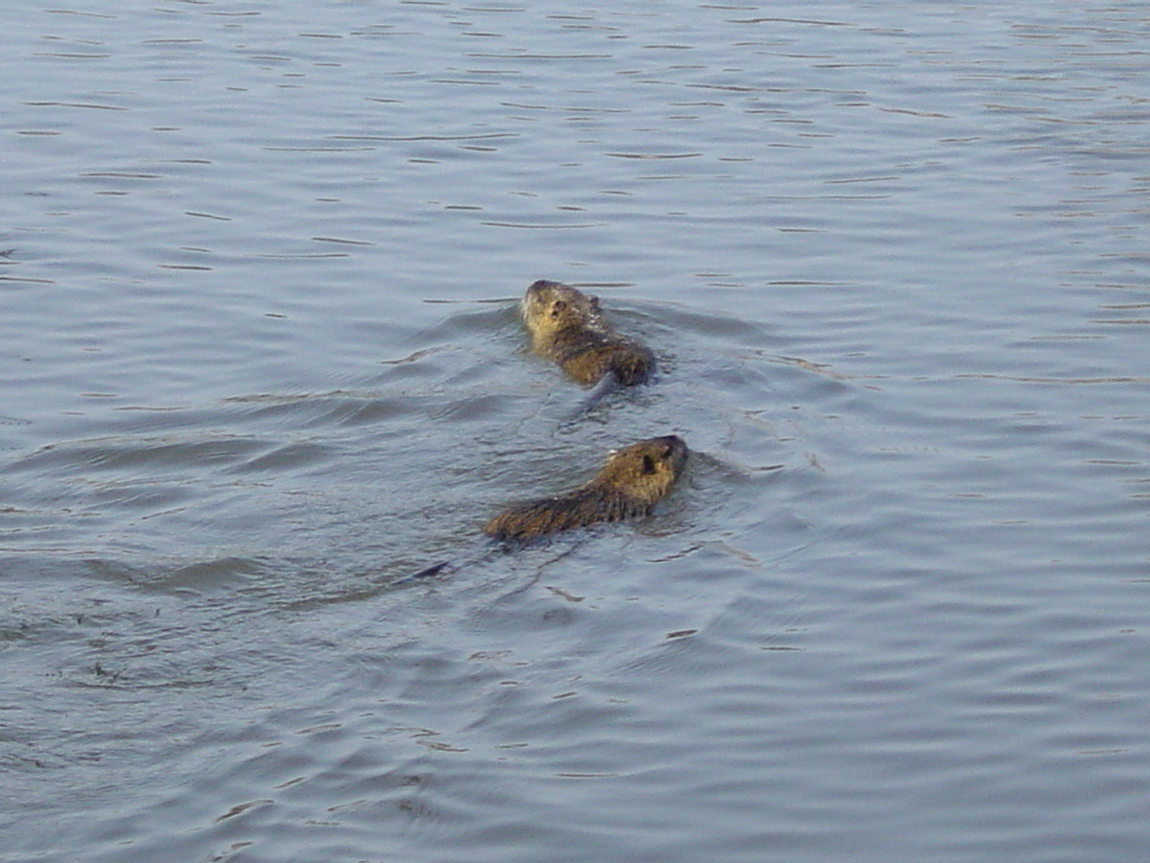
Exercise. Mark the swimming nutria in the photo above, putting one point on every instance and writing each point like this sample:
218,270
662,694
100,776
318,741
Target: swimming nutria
567,327
631,481
629,484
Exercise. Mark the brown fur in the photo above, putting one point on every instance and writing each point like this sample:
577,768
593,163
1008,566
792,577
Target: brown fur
629,484
567,327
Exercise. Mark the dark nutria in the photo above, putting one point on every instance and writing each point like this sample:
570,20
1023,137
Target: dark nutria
567,327
629,484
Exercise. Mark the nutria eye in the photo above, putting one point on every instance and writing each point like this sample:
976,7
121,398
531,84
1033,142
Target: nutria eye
557,308
648,465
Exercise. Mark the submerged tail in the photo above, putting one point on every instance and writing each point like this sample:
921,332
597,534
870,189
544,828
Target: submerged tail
607,384
434,569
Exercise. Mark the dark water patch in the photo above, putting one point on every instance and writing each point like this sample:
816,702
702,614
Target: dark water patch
312,410
116,454
76,105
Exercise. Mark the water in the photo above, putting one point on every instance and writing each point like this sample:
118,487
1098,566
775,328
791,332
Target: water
260,359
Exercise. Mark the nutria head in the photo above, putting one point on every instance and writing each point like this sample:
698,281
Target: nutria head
549,307
644,471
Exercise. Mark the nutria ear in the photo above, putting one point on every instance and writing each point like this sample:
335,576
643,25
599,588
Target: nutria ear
594,301
557,307
648,465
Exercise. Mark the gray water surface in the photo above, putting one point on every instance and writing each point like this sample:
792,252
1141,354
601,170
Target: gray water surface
260,359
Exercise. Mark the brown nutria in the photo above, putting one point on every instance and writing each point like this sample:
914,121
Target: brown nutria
629,484
567,327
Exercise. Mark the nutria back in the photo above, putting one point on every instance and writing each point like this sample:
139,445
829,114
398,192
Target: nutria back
629,484
567,326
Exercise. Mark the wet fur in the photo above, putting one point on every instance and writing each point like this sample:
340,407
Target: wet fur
629,484
567,327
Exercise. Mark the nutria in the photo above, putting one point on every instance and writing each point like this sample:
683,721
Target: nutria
629,484
631,481
567,327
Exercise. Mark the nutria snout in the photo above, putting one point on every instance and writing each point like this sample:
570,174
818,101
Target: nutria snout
567,326
630,483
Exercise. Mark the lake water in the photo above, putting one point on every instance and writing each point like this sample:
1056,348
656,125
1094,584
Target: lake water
260,358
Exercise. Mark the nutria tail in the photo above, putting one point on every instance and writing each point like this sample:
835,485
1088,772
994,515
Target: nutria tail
567,326
629,484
